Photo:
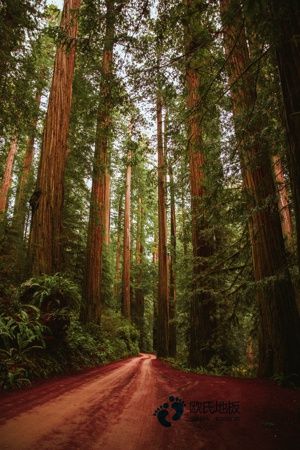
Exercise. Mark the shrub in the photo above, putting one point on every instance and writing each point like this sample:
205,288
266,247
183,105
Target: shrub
56,297
27,352
20,335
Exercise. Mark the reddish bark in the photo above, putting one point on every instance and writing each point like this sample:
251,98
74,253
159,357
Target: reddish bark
163,275
283,200
22,195
286,20
139,293
279,320
107,208
118,249
172,258
126,293
98,234
7,176
154,250
47,200
172,307
202,307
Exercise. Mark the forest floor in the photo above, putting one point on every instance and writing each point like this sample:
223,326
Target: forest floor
112,408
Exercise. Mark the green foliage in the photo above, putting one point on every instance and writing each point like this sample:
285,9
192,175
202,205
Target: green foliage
20,336
50,293
26,354
55,296
216,367
20,22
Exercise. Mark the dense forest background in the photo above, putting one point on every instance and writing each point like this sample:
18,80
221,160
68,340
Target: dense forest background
150,185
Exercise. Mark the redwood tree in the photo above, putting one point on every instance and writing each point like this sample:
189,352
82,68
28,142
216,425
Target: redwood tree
283,200
163,275
279,320
7,176
118,247
139,292
99,206
126,292
47,200
201,309
22,194
286,22
172,258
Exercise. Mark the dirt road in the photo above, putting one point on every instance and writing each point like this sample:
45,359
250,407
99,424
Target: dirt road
112,407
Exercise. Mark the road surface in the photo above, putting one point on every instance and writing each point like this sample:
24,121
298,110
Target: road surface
112,408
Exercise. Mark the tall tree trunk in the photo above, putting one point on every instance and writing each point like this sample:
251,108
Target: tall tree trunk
183,224
47,200
279,320
126,304
155,292
107,208
7,176
283,201
98,219
139,292
22,195
154,250
286,20
172,259
202,305
163,276
118,249
173,331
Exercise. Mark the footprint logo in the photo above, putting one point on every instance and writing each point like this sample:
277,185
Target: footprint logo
163,411
178,405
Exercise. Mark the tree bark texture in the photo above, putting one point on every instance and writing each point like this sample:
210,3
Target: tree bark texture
283,201
126,293
202,305
172,258
163,275
172,309
47,200
118,249
22,195
286,21
139,292
98,234
279,320
7,176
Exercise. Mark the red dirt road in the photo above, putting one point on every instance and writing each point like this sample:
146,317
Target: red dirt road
111,408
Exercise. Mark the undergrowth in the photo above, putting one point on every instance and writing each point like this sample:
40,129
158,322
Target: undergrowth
43,337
